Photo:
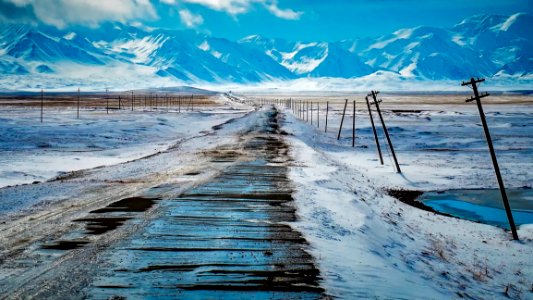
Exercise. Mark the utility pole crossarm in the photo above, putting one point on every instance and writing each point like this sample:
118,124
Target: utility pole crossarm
372,95
473,98
472,81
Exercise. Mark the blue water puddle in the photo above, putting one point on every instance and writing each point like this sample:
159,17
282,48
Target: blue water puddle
482,205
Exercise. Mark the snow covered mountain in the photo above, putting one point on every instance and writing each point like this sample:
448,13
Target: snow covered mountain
483,45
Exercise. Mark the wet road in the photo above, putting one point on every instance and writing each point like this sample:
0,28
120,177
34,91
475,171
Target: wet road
225,238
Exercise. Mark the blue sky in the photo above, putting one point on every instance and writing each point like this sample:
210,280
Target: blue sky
327,20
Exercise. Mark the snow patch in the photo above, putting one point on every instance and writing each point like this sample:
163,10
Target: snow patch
69,36
204,46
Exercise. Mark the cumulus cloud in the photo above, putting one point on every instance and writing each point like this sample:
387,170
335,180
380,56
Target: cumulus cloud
189,19
288,13
235,7
60,13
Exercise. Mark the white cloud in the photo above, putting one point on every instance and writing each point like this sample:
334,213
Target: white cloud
189,19
288,13
69,36
60,13
235,7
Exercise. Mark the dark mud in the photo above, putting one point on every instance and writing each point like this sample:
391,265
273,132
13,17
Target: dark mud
226,238
65,245
107,219
409,197
133,204
192,173
98,226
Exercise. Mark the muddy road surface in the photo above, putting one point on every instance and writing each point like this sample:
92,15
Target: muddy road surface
226,235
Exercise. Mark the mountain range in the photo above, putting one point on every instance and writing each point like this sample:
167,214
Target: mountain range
483,45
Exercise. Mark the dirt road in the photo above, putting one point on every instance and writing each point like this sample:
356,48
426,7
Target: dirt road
219,231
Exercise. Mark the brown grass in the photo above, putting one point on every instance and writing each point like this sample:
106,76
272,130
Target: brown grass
100,101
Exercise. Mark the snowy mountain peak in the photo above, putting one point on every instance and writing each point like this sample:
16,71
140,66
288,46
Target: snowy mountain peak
481,45
520,24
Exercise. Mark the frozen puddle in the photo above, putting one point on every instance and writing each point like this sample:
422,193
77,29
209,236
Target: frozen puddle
482,205
227,238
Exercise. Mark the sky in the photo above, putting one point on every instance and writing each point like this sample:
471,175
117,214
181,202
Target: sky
324,20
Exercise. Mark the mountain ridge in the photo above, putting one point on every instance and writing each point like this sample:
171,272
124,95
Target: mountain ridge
482,45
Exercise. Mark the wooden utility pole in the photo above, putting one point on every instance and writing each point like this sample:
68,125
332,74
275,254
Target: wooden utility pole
307,111
318,115
311,112
353,126
327,111
374,130
78,105
107,101
42,104
342,119
376,103
477,97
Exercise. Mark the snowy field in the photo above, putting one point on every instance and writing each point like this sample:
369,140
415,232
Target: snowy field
31,151
438,140
365,243
347,213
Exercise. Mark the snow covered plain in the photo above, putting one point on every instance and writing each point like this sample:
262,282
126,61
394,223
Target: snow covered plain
34,152
366,244
366,238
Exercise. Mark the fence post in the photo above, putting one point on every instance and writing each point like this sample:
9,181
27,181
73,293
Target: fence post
374,130
342,119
